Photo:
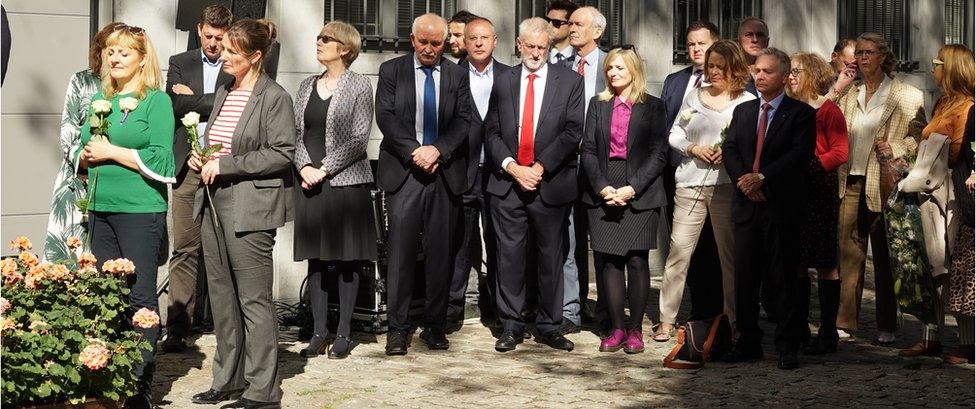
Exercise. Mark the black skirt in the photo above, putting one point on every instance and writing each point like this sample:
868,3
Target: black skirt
618,230
818,233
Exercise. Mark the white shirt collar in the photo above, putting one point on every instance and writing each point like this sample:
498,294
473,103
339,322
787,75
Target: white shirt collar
488,69
540,73
593,56
417,65
203,56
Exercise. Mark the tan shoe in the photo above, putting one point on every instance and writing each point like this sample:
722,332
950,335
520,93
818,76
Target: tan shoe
926,348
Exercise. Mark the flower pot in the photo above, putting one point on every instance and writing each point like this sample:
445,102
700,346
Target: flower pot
91,403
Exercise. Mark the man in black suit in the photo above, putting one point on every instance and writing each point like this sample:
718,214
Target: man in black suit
533,128
482,68
191,81
766,151
422,109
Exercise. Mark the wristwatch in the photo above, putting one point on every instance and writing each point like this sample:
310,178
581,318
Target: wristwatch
761,177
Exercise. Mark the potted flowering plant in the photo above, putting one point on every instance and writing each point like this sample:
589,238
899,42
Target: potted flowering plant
65,329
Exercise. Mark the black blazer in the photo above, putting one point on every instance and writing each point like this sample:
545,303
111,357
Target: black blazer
187,68
396,110
476,132
673,93
647,144
787,149
558,133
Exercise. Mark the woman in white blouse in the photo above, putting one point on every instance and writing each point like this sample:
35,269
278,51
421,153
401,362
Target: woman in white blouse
703,187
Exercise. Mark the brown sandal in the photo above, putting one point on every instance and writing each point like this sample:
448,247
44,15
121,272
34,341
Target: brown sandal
663,336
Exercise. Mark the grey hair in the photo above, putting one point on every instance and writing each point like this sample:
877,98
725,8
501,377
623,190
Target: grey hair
536,25
416,23
597,19
756,19
784,60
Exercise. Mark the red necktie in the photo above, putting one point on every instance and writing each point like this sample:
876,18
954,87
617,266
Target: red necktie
761,136
526,150
580,66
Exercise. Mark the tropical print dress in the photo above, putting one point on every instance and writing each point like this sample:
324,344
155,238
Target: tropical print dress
65,219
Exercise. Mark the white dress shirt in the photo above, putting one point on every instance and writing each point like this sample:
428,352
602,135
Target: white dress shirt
699,124
419,79
591,71
865,126
696,73
538,90
481,83
567,53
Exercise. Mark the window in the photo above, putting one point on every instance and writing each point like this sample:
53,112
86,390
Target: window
727,16
958,27
383,31
611,9
889,18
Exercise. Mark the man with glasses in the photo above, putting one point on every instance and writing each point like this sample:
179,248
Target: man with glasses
753,38
531,145
558,15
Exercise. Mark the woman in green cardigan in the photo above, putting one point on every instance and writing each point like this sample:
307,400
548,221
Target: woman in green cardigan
128,172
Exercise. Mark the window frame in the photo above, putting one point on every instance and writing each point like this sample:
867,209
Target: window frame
614,17
726,21
387,38
847,19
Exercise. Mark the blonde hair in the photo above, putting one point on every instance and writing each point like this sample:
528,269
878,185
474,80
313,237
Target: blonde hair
149,76
816,79
349,38
957,74
638,84
736,71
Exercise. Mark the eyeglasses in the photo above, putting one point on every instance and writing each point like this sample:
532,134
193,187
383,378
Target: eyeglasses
796,71
866,53
557,23
326,39
135,30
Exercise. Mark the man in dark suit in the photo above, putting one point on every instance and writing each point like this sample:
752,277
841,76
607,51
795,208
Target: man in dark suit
422,109
482,68
191,82
558,14
532,131
766,151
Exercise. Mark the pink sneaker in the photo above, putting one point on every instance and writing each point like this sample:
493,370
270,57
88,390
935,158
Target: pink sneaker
635,342
614,342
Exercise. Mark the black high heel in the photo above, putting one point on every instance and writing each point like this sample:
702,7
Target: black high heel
340,348
316,346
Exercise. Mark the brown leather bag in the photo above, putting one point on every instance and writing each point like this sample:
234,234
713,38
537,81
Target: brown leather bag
699,342
889,176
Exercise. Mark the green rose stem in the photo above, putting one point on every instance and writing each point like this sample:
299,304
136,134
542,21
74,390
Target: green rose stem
99,127
205,155
701,185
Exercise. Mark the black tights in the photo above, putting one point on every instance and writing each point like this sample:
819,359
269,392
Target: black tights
318,292
637,286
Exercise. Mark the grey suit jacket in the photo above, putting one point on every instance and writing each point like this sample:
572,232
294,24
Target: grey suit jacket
601,82
347,126
259,168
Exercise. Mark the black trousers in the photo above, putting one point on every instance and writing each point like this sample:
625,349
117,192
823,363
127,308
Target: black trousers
425,205
475,206
767,255
705,277
137,237
517,215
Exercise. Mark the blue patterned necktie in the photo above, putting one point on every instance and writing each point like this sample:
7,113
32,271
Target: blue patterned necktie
430,107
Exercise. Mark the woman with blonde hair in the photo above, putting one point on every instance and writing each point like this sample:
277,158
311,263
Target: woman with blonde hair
333,212
623,154
810,78
128,170
703,186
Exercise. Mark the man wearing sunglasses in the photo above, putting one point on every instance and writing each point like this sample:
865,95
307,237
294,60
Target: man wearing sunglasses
558,15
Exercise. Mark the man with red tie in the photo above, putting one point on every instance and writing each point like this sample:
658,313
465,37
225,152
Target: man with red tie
533,127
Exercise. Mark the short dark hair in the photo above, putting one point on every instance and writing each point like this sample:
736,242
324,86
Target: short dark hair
844,43
567,6
704,25
463,17
217,16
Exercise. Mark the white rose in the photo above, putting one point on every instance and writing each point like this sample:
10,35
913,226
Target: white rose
128,104
101,107
686,115
191,119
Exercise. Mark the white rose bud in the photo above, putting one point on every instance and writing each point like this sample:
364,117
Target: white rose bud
686,115
191,119
101,107
128,104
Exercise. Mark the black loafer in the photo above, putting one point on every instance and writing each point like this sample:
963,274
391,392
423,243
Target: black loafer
435,339
396,342
788,361
340,348
741,354
555,339
211,397
508,341
569,327
245,403
173,345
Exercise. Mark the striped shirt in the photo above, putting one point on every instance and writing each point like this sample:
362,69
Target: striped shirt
222,130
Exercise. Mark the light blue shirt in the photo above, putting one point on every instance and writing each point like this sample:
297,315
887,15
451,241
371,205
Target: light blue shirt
419,78
591,71
772,110
481,83
210,72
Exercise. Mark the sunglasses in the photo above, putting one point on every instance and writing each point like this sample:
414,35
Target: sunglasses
326,39
135,30
556,22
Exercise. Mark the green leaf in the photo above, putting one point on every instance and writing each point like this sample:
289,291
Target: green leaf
44,390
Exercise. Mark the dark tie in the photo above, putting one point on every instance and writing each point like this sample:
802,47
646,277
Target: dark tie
560,57
526,150
698,78
761,136
430,106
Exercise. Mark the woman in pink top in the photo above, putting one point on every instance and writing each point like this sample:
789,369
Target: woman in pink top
810,77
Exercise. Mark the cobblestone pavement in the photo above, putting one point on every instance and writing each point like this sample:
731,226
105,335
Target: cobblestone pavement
472,374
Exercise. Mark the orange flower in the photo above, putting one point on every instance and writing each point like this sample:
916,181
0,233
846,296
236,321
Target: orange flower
21,243
119,266
9,265
35,275
12,278
145,319
27,258
59,272
4,305
95,355
73,242
40,327
86,259
6,324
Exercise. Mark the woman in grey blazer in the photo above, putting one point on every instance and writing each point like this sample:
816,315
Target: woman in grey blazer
249,181
333,217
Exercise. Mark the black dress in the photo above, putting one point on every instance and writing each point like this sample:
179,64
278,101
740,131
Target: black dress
331,223
618,230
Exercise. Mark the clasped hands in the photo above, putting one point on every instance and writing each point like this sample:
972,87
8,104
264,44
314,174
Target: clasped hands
527,177
711,156
426,157
751,185
312,176
98,150
208,170
618,197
